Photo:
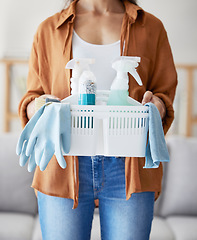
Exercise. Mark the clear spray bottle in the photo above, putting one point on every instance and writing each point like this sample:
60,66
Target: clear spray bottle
78,65
119,88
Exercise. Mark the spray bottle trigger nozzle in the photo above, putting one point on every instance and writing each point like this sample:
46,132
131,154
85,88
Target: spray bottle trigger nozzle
135,74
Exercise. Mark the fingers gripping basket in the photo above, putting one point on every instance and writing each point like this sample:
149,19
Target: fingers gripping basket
108,130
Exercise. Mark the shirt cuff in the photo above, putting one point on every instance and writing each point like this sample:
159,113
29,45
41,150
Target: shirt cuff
169,117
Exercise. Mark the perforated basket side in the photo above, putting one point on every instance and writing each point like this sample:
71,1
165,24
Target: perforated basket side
84,128
108,130
125,132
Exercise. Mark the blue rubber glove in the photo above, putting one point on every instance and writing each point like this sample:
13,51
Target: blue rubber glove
23,140
51,135
46,133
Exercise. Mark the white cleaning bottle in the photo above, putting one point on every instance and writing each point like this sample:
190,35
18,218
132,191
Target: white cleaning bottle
87,88
78,66
119,88
87,94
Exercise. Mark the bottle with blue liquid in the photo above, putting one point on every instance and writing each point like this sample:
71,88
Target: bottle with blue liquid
87,88
87,94
83,86
119,88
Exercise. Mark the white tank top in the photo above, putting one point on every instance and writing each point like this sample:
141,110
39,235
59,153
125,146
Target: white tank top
104,56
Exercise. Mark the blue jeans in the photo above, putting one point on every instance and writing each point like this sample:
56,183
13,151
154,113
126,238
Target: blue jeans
100,178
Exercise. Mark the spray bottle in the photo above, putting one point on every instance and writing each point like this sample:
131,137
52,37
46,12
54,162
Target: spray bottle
78,66
87,94
87,88
119,88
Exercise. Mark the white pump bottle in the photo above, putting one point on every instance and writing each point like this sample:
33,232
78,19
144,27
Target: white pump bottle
119,88
78,66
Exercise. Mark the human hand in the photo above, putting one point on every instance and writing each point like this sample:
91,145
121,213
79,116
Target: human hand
150,97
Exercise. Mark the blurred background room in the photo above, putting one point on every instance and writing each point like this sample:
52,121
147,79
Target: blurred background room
176,210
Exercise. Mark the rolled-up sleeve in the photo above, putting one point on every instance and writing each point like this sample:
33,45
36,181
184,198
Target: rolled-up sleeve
34,87
164,78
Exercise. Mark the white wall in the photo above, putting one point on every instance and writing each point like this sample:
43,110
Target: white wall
19,20
18,23
180,19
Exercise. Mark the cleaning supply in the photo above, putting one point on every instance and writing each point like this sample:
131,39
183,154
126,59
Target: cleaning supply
156,150
39,102
47,133
87,88
23,141
119,88
87,94
78,65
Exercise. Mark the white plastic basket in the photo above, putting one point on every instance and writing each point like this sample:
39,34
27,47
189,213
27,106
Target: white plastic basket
108,130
